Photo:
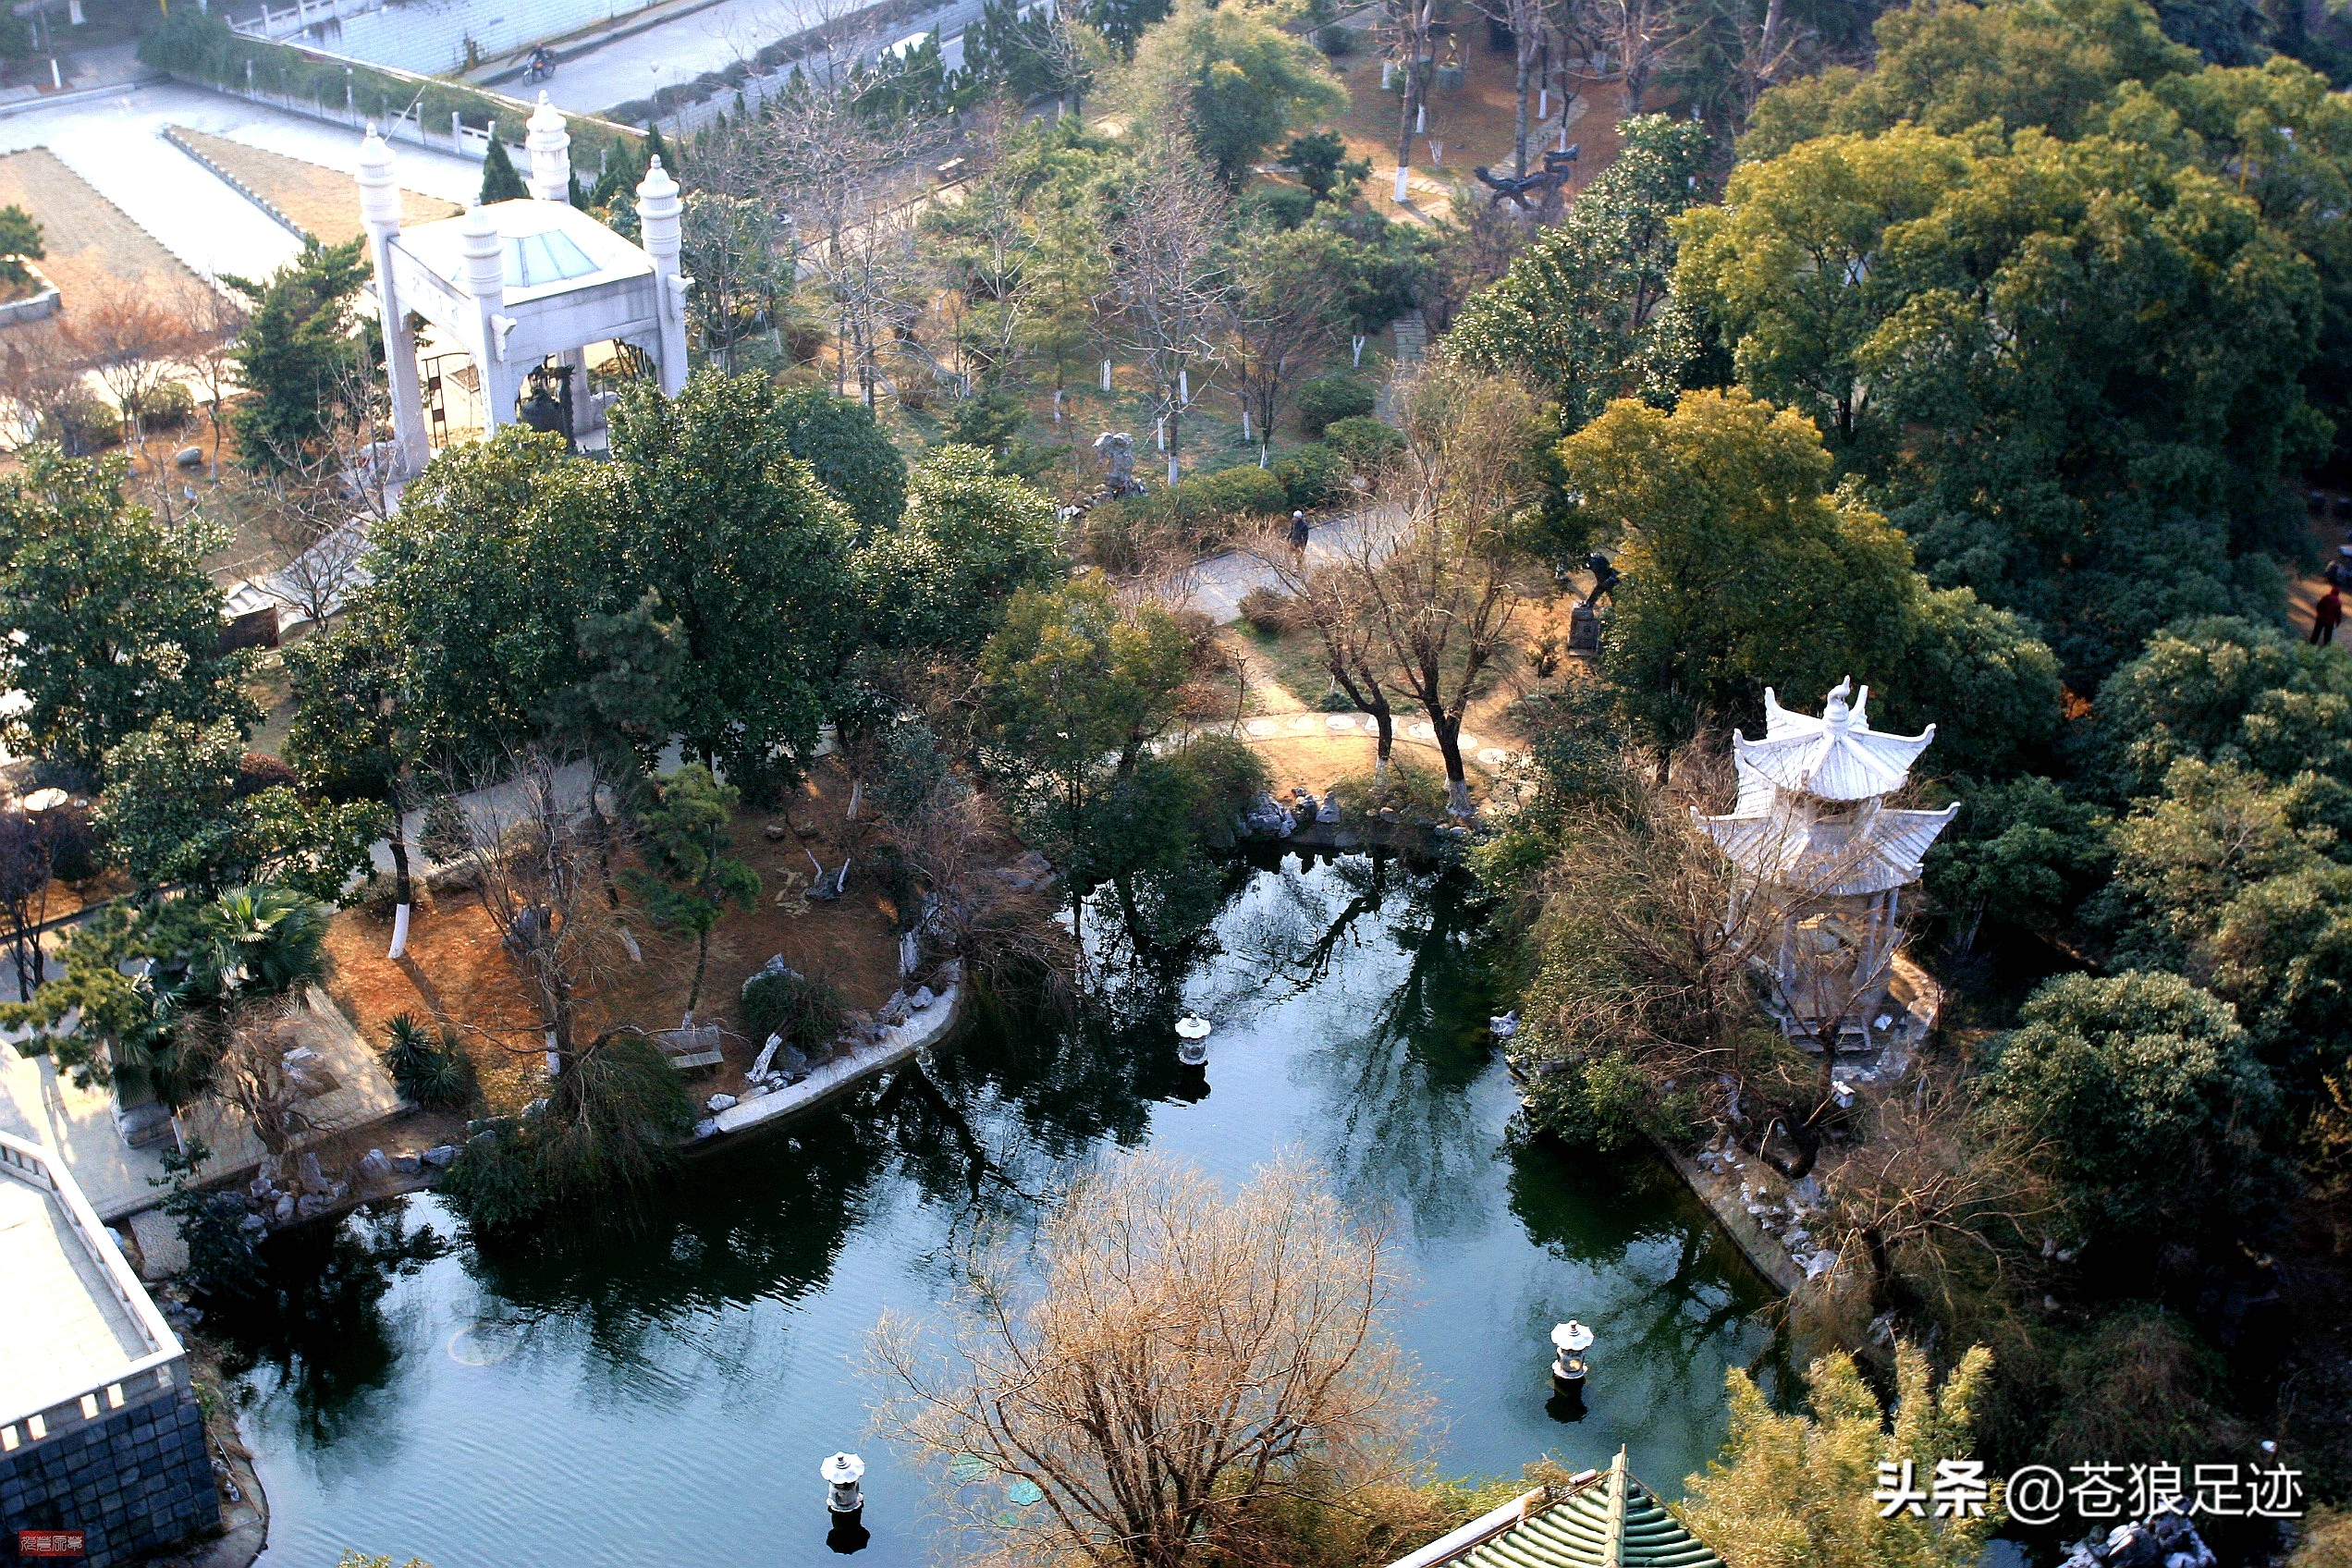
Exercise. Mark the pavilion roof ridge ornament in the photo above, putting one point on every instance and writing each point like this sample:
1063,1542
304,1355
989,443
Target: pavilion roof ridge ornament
1835,757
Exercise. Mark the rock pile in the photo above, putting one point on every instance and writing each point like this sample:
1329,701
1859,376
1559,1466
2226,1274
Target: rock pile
2165,1539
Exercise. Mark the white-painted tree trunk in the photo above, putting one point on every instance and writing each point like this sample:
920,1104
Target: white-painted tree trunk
399,932
1398,198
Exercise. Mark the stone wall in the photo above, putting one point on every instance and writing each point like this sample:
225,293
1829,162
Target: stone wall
133,1479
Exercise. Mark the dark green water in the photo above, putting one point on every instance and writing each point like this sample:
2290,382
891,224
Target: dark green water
663,1394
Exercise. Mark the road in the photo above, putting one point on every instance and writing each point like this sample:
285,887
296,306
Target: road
115,144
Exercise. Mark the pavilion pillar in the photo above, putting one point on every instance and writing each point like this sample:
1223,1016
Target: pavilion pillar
484,275
657,210
549,145
380,211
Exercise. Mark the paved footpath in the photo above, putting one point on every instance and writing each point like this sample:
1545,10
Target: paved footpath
115,143
1217,586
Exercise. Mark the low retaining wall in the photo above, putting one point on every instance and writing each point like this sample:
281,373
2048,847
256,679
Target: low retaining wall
275,213
1762,1249
40,303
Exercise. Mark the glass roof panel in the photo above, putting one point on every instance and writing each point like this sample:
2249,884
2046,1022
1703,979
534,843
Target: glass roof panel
534,261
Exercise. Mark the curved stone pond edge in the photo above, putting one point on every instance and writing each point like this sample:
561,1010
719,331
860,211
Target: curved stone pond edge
898,1042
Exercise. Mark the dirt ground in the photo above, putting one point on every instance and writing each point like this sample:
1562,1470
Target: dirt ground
93,248
455,970
323,201
1472,124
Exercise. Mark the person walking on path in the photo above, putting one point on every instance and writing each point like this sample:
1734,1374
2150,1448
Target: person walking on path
1298,534
2326,614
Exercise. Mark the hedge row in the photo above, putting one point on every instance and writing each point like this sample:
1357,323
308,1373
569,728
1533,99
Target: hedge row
202,47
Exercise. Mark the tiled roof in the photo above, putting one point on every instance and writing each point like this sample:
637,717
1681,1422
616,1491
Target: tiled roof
1614,1523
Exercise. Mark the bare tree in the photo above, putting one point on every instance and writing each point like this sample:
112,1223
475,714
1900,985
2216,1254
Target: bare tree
41,374
1665,955
133,345
214,320
28,865
533,846
1923,1195
1184,1360
1525,20
850,182
1436,588
253,1075
1410,49
1167,274
1287,302
1638,36
1325,596
317,507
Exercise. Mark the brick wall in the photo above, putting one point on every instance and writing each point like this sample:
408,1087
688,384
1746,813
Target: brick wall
134,1480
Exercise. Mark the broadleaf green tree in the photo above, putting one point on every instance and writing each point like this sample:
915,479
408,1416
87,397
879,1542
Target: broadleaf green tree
970,539
2143,1100
113,622
850,455
1742,568
751,556
1587,310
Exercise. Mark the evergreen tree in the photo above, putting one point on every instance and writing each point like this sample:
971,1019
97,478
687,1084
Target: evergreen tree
499,182
697,875
296,355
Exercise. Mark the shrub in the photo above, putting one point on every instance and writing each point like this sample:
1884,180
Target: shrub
1413,791
1312,475
82,424
1329,398
806,1013
1278,206
1221,775
257,771
1111,535
1366,443
1266,611
986,419
1246,491
168,407
429,1071
804,340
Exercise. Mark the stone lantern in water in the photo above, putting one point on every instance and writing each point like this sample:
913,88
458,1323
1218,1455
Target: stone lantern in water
844,1504
1569,1343
1823,859
1192,1057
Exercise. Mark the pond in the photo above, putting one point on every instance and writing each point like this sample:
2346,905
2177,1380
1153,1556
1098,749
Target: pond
663,1392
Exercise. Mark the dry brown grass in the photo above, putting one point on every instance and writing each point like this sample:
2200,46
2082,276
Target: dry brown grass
325,201
93,250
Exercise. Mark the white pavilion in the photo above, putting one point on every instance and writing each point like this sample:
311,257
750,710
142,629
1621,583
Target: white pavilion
1824,860
522,285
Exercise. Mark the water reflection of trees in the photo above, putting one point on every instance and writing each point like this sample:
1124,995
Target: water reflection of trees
994,1126
1677,1287
317,1315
